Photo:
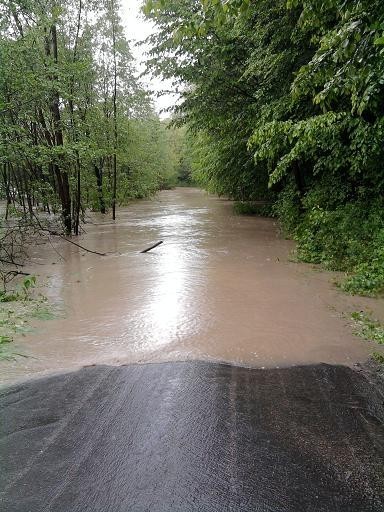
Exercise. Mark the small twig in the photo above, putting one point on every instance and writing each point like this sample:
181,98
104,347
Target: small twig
16,273
11,263
152,247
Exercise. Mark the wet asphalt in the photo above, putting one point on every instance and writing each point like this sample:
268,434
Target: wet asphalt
193,437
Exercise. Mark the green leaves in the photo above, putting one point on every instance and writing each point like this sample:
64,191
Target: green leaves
56,111
290,94
5,339
28,283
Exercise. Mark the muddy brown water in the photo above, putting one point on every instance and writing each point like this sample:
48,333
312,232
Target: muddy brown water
222,287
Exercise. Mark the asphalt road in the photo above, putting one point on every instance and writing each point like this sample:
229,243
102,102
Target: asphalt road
193,437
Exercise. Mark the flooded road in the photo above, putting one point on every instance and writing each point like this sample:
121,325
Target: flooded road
220,288
188,433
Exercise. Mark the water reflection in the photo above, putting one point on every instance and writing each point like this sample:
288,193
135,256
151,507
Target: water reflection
167,312
221,287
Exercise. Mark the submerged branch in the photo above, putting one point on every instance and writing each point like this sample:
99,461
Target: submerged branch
60,235
152,247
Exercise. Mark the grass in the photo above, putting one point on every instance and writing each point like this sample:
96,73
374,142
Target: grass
368,328
17,309
379,358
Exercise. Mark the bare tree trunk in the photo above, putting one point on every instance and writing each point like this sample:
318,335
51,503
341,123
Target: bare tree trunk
99,181
60,174
71,108
7,187
78,197
114,187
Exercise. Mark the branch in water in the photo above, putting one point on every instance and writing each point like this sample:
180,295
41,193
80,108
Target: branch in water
152,247
78,245
55,233
11,263
16,273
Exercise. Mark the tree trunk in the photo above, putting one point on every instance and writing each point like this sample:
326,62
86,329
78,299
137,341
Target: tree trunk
61,175
7,187
78,198
99,181
114,187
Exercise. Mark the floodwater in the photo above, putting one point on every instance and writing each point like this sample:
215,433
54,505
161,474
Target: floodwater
221,287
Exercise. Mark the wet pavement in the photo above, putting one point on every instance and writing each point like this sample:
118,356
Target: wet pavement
193,436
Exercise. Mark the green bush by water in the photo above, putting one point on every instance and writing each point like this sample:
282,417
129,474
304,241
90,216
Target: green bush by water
348,238
253,208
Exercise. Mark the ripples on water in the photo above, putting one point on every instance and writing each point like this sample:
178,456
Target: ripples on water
219,288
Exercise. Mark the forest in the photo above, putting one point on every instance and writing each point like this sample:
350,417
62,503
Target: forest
285,101
280,103
78,130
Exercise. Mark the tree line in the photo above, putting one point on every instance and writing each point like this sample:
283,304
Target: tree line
77,128
285,101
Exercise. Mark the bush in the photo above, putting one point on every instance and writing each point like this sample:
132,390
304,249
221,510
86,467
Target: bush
287,209
253,208
368,277
349,237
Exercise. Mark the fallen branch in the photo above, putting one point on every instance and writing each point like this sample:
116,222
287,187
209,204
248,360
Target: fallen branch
152,247
16,273
56,233
8,262
78,245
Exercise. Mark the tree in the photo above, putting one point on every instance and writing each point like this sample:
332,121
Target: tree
286,103
69,97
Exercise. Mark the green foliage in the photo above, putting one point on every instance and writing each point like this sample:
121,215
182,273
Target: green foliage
252,208
287,209
23,293
28,283
16,311
378,357
368,276
288,95
222,63
348,237
368,328
8,297
339,238
59,64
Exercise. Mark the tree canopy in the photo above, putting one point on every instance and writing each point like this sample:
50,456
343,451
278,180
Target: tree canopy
285,99
77,128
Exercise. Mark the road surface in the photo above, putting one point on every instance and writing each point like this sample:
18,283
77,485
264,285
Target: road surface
193,436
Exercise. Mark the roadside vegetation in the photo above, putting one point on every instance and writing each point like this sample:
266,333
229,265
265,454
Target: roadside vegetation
78,130
284,101
368,328
18,307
